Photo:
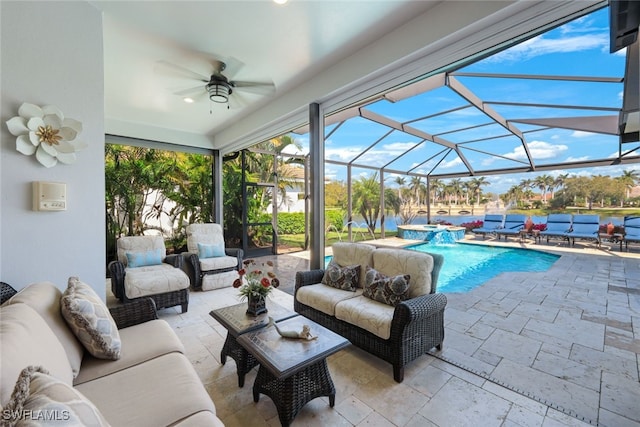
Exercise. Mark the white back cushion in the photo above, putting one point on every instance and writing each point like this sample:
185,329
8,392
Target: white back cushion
418,265
346,254
209,234
139,244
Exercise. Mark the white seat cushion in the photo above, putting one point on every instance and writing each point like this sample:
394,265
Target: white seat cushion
154,279
370,315
159,392
217,263
218,280
324,298
140,343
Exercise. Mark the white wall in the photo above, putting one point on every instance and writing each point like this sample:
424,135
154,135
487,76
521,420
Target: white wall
51,53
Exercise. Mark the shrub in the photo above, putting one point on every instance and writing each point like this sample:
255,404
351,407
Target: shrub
291,223
473,224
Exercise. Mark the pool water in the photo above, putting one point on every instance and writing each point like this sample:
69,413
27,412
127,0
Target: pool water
468,266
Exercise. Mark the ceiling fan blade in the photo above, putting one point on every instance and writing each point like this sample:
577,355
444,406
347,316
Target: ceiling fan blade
259,88
178,71
191,90
237,100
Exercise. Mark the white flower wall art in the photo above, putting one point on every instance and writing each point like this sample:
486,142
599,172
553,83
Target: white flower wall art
47,133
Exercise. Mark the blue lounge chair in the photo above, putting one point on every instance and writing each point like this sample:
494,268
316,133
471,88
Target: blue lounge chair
513,225
585,227
490,224
631,231
558,225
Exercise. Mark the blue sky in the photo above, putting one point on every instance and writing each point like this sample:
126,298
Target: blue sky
578,48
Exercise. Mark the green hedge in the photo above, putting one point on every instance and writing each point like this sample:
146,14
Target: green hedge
293,222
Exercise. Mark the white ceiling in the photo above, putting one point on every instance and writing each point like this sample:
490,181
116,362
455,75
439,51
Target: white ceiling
311,50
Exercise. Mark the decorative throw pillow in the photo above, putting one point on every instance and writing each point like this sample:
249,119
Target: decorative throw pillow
141,259
210,251
40,399
345,278
389,290
90,320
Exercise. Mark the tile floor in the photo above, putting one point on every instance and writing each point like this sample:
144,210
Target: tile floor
559,348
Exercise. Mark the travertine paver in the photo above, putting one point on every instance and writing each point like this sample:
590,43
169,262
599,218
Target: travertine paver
581,312
584,312
458,404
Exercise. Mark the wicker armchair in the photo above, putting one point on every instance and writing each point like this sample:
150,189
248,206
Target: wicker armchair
210,272
144,270
417,325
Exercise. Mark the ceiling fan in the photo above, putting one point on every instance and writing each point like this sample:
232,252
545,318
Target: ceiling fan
220,88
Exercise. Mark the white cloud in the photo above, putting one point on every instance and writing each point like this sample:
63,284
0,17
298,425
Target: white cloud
576,159
451,163
538,150
543,46
398,147
581,134
343,154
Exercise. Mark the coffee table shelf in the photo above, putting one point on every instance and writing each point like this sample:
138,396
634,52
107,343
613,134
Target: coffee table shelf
293,371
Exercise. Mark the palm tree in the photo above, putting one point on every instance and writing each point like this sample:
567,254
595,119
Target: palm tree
401,181
558,183
414,185
455,186
542,182
366,199
476,187
436,186
630,178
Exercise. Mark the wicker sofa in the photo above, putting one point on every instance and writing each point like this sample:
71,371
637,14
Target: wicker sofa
152,383
397,334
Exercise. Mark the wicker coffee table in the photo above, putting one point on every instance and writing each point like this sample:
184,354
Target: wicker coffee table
293,371
237,322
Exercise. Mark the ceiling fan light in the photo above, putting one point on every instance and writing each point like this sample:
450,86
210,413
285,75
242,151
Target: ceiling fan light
279,1
219,92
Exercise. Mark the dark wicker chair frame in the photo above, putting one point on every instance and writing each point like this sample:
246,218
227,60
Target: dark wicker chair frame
196,274
417,325
6,292
164,300
136,311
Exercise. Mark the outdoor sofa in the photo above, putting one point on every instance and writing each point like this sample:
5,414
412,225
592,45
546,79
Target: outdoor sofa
151,383
397,334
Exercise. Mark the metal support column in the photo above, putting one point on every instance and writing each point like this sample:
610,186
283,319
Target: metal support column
316,153
216,176
382,206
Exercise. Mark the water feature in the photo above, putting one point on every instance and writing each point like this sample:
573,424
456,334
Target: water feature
442,234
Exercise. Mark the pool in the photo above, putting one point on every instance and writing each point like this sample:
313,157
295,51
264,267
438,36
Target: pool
468,266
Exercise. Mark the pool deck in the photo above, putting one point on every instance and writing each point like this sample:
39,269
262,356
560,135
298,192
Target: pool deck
567,339
556,348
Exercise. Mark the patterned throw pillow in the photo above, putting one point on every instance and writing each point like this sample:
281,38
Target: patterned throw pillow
210,251
90,320
389,290
141,259
40,399
345,278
